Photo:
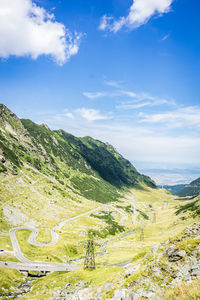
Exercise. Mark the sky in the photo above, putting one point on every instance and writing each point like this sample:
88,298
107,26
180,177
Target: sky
125,72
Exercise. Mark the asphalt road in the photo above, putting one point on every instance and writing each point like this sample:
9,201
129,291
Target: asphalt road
54,234
40,267
28,265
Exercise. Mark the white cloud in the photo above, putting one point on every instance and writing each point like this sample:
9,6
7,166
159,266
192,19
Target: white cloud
140,103
94,95
136,98
133,106
29,30
128,94
92,114
136,141
165,37
139,100
140,12
187,116
69,115
112,83
104,22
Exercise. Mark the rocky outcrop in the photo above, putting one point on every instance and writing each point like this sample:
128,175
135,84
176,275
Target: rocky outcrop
2,156
168,265
174,254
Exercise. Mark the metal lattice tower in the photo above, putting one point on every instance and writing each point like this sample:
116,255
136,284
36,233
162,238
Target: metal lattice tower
89,262
142,235
154,217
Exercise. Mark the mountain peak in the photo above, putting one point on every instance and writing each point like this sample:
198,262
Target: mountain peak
87,165
9,121
45,126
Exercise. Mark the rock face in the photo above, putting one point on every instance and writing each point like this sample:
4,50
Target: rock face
165,267
45,126
2,156
174,254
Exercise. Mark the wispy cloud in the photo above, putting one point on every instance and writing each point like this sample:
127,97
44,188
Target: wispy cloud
138,136
92,114
142,102
139,13
27,29
165,37
59,116
136,141
112,83
94,95
186,116
137,100
69,115
134,106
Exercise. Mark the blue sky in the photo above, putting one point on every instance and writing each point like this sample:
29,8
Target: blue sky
122,71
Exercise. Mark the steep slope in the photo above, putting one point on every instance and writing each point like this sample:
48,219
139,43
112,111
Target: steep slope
192,208
94,169
47,181
174,189
191,189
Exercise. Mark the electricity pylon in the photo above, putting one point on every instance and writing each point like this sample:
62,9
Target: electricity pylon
142,235
89,262
154,217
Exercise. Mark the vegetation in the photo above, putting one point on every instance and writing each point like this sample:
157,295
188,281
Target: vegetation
184,291
174,189
192,207
112,228
9,279
51,177
143,214
92,168
191,189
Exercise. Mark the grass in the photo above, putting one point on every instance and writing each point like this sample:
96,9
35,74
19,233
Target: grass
112,227
184,291
38,198
8,258
44,288
192,207
9,279
5,242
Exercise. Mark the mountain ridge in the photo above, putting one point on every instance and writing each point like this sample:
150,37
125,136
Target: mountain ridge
193,188
185,190
92,167
56,192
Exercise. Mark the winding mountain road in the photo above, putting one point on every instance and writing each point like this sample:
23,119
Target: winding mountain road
37,265
28,265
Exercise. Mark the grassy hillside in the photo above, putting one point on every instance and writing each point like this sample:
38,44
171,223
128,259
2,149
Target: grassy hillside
191,189
48,177
34,201
192,208
94,169
174,189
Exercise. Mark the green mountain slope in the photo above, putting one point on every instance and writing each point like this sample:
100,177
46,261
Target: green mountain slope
191,189
47,181
93,169
174,189
192,207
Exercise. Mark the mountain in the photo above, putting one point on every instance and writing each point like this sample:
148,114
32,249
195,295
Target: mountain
174,189
191,189
92,168
58,192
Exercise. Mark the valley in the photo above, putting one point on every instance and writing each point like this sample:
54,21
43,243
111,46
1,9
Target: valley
53,246
56,192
